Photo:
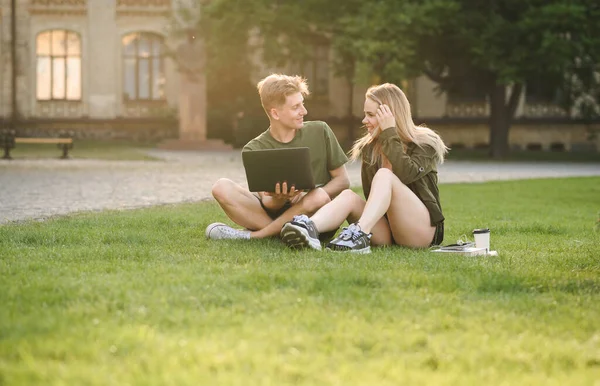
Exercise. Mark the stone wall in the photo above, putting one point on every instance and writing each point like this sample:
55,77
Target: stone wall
142,129
522,136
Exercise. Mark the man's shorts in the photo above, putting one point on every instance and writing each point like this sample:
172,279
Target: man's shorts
274,213
324,237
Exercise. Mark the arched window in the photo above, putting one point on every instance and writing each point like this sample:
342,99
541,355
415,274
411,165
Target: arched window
58,57
143,67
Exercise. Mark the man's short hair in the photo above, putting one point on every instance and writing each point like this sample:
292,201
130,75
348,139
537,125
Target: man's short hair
276,87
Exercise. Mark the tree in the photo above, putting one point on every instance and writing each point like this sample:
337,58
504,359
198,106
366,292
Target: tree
230,92
495,43
284,32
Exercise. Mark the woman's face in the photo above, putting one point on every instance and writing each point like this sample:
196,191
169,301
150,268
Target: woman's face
370,119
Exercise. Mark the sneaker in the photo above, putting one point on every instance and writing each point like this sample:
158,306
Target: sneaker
300,233
220,231
352,239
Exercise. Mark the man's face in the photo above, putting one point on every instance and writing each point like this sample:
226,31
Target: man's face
291,113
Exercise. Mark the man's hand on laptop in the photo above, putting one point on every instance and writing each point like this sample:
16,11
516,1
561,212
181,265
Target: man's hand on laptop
281,195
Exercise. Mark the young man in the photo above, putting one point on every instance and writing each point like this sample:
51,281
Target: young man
263,214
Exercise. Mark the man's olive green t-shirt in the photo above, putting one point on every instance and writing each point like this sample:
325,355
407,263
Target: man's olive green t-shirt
325,151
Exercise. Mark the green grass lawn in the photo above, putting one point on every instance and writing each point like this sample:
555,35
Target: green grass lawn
86,149
142,298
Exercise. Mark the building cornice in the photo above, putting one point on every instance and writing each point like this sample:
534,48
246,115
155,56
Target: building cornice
143,7
132,12
61,3
60,12
144,3
58,7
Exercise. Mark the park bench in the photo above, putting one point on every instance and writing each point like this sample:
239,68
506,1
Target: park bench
8,141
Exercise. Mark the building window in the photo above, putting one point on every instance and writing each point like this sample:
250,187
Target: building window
143,67
58,55
466,92
542,90
316,70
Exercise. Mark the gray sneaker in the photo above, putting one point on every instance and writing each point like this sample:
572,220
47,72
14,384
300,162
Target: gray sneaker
300,233
220,231
352,239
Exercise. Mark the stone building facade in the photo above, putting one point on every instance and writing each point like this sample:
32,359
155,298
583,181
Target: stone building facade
97,67
101,68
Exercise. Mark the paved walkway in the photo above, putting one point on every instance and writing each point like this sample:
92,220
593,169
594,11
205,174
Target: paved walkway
37,189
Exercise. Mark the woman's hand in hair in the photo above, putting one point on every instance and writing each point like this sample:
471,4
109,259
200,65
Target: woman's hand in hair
385,117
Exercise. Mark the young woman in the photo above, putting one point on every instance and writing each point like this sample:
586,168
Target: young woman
399,179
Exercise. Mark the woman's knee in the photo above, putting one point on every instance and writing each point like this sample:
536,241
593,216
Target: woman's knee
353,203
351,200
349,196
385,174
315,200
222,189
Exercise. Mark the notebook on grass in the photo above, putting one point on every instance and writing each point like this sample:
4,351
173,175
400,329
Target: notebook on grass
465,249
265,168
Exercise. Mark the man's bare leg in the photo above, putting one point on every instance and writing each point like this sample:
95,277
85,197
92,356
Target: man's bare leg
308,205
241,206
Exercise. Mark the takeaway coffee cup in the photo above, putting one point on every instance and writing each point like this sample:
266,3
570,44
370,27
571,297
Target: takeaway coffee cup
482,238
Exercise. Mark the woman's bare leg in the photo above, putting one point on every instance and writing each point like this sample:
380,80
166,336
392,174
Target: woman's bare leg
349,206
407,216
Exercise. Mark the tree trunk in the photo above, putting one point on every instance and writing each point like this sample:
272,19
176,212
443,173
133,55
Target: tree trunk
498,122
350,114
501,115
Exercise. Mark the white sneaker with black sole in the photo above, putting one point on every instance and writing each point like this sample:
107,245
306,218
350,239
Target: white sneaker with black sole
352,239
220,231
300,233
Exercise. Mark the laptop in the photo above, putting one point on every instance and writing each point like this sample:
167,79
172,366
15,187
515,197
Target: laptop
264,168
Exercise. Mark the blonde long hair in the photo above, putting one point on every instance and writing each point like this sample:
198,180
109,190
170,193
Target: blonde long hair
391,95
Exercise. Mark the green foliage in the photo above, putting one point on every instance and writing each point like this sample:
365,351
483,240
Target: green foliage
457,43
229,65
465,40
141,297
495,44
453,41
